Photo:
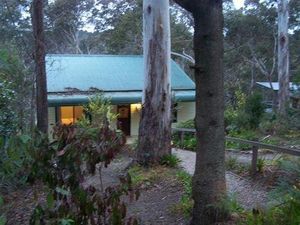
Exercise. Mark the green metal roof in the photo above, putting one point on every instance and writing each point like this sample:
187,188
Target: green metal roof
125,97
83,73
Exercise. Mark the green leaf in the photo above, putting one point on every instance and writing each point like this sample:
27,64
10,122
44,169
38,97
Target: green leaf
66,221
2,220
1,201
50,200
62,191
25,139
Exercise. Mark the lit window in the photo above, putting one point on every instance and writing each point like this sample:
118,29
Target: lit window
70,114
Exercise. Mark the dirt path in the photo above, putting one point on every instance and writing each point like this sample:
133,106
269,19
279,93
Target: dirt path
154,206
249,194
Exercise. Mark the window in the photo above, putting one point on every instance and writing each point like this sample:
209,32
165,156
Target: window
70,114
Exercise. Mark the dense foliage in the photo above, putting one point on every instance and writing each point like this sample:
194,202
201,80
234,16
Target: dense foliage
286,198
77,152
13,93
64,166
7,118
16,159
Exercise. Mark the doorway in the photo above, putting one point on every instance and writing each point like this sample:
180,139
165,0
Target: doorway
124,119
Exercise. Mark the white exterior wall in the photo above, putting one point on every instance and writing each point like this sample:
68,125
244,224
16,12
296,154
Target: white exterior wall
185,111
51,120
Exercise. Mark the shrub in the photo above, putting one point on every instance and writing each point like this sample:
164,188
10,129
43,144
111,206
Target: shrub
230,117
63,167
186,180
15,89
285,213
189,142
294,118
170,160
98,112
78,151
261,164
186,203
229,204
232,111
187,124
254,109
231,163
287,194
8,119
247,115
16,159
243,134
2,217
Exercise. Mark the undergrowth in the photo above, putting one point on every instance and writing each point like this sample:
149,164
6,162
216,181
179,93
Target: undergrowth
146,177
170,160
2,217
186,203
286,195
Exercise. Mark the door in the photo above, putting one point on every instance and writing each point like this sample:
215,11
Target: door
124,119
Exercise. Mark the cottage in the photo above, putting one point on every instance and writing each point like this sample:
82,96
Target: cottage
73,79
266,89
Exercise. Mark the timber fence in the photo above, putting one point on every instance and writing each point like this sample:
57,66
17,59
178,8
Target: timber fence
255,146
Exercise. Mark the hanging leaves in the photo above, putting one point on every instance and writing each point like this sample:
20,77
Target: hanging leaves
64,165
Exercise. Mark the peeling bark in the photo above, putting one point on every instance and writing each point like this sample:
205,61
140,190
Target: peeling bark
155,124
283,56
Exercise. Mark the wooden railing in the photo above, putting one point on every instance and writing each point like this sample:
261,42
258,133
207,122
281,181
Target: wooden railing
255,146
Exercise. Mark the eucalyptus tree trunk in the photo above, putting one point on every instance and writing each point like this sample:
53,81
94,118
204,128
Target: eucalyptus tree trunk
40,66
283,56
209,186
155,125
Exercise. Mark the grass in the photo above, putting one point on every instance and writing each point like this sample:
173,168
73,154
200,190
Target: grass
2,217
148,176
170,160
186,180
261,164
186,203
231,163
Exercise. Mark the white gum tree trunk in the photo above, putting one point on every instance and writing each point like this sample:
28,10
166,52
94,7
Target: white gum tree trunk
155,124
283,56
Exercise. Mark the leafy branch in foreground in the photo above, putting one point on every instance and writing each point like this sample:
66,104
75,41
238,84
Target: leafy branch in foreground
77,152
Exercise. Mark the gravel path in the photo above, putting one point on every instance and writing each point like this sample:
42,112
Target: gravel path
248,194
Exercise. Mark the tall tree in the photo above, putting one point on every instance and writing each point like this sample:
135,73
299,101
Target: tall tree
155,124
40,67
66,20
251,44
283,56
209,187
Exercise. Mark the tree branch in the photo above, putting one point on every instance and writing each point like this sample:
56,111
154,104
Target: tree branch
274,54
186,4
185,56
